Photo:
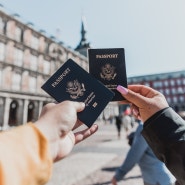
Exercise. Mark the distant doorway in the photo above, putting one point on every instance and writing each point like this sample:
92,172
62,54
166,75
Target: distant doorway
30,111
13,113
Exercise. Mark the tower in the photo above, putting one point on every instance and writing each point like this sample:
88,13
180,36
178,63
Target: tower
83,45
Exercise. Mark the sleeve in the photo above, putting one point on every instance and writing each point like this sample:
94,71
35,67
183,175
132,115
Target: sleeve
134,155
165,134
24,157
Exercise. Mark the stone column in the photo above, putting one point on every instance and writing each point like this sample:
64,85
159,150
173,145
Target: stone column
6,113
25,111
40,107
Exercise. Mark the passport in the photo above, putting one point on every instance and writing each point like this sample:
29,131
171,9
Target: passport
108,66
72,82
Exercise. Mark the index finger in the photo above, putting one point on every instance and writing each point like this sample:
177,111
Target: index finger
143,90
132,96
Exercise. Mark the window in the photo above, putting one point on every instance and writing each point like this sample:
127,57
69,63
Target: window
52,49
18,57
18,34
62,55
40,81
157,84
167,91
42,44
181,98
179,82
166,84
46,67
16,80
147,84
11,29
2,51
32,84
25,81
180,90
27,58
27,37
2,24
53,67
33,65
175,99
173,90
34,42
1,77
168,99
10,52
161,90
172,82
40,63
7,78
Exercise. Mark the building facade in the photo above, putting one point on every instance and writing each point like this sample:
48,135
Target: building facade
171,84
27,59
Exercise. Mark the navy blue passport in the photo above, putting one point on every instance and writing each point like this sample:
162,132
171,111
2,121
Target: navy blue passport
71,82
108,66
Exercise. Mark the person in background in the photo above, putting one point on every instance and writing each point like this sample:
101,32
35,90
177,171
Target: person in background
28,152
153,171
127,120
118,123
164,129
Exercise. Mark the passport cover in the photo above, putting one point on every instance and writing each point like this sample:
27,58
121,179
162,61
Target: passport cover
108,66
71,82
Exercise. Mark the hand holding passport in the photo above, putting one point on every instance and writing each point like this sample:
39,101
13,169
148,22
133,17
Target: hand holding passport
71,82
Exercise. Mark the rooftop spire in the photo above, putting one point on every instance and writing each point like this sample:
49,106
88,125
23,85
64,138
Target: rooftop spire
83,30
83,45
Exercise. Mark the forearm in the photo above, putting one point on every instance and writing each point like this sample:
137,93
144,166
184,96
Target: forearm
165,133
24,157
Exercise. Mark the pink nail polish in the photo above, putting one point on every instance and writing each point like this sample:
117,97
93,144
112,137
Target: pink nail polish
122,89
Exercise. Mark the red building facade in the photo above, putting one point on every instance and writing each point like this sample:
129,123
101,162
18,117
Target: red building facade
171,84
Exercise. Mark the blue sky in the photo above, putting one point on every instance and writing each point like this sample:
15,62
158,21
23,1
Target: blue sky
151,31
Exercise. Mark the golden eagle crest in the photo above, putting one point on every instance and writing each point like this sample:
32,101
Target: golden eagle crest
108,72
75,89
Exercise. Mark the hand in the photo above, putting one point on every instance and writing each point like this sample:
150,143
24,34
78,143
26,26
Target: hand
66,144
114,181
145,100
57,122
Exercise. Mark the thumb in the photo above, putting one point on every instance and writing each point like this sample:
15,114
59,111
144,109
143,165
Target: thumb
79,106
131,96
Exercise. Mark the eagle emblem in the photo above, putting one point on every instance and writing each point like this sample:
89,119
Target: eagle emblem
108,72
75,89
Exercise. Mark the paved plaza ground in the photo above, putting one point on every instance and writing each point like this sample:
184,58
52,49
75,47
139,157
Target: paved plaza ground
94,161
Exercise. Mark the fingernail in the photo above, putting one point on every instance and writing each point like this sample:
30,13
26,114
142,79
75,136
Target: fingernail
122,89
95,126
82,104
